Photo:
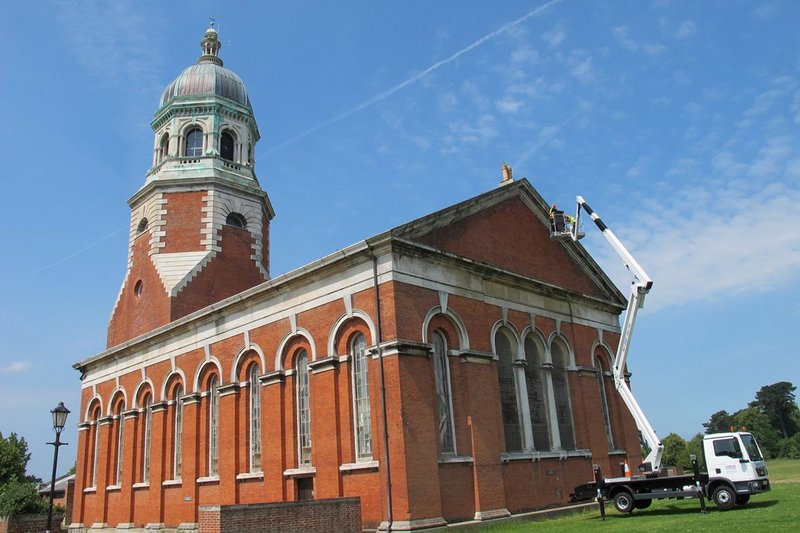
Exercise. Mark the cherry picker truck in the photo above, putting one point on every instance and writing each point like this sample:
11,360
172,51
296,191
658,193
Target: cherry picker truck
734,464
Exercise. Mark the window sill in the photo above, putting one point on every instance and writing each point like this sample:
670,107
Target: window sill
172,483
250,475
561,455
305,471
90,490
208,479
617,452
113,488
365,465
447,459
144,485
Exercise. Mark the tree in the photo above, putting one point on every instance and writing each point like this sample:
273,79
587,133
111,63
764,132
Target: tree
21,497
675,453
14,458
757,422
695,447
720,422
778,403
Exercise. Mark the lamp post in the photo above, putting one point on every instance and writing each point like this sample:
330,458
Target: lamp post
59,420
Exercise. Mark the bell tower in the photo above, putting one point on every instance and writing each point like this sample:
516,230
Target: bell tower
199,228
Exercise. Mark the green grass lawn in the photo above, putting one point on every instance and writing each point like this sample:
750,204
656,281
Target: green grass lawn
777,510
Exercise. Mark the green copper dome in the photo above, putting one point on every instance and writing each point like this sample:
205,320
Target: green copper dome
208,77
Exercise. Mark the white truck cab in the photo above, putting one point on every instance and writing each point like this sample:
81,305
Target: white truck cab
735,467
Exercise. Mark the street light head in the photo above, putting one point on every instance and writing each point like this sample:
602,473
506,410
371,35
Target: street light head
59,417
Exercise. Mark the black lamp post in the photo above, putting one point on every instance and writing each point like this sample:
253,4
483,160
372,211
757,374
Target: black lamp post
59,420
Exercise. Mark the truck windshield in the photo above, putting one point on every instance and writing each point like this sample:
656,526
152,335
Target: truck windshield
751,446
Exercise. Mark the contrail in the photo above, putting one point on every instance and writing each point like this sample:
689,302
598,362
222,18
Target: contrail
389,92
95,243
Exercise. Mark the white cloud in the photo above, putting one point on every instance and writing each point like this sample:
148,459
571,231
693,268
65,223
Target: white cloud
621,33
15,367
581,68
686,29
554,38
509,105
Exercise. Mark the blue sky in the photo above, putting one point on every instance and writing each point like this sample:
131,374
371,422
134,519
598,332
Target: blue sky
678,121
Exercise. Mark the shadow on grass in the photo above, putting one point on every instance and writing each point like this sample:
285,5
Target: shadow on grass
674,510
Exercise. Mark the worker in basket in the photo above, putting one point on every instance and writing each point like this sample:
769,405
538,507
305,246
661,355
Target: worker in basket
559,221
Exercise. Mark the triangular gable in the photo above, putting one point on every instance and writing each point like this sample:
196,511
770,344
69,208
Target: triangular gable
509,228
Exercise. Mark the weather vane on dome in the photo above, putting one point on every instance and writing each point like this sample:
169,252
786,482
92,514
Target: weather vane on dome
211,20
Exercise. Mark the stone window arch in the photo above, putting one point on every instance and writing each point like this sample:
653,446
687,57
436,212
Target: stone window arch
94,417
237,220
444,397
194,143
505,345
536,384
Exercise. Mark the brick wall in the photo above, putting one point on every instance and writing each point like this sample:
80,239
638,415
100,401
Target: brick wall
29,523
340,515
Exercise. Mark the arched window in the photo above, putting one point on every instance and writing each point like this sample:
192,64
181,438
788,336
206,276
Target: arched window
142,226
255,419
601,385
164,148
177,438
506,352
537,393
250,153
226,146
560,354
96,446
194,143
361,407
441,373
236,220
120,441
213,427
303,410
146,433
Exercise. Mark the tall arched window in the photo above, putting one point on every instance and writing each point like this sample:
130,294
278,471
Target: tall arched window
303,410
537,393
601,385
164,147
177,438
213,427
120,441
194,143
560,354
441,373
361,407
506,352
226,144
146,433
255,419
96,446
236,220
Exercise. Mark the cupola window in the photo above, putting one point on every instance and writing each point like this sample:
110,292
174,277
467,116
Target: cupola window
226,146
164,146
194,143
142,226
236,220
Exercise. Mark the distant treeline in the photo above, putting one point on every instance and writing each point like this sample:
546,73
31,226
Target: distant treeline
773,417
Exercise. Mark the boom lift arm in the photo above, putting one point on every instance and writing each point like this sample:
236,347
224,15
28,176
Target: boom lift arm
639,289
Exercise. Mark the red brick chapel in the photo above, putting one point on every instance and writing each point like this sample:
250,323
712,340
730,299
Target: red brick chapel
453,368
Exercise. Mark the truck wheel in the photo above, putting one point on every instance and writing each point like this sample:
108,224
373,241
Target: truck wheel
724,498
742,499
623,502
642,504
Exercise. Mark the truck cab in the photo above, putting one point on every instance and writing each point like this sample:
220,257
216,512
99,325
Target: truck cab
735,467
